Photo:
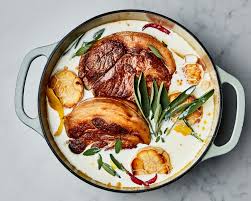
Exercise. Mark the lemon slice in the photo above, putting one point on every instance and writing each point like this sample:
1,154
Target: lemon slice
183,129
56,105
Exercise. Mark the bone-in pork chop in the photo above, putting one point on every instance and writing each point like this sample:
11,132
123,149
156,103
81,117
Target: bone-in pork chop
109,67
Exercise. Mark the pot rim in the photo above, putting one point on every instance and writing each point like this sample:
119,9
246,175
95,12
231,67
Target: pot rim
206,149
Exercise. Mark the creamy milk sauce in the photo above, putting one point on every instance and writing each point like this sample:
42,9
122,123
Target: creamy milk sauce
182,149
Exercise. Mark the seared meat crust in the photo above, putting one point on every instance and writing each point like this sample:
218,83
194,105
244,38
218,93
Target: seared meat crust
110,65
101,121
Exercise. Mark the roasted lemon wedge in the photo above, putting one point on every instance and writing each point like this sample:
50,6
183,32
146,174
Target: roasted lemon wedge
67,87
151,160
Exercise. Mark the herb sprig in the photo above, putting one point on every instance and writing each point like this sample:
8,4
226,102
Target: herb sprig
189,109
106,167
118,146
155,51
158,107
86,45
91,151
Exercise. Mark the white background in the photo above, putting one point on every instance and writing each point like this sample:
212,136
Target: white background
30,171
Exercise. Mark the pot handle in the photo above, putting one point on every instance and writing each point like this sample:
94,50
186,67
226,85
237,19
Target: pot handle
20,84
239,119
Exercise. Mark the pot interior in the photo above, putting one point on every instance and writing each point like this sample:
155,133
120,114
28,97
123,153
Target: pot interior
112,17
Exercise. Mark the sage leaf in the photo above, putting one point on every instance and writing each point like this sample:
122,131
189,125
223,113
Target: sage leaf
118,146
158,110
117,163
154,96
196,136
110,170
196,104
138,90
136,96
178,109
83,49
145,102
86,45
157,139
91,151
168,130
98,34
176,102
157,113
155,51
164,100
193,133
182,97
100,162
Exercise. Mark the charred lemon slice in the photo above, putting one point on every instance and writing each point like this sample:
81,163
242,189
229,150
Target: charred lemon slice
196,116
193,73
151,160
182,128
56,105
67,87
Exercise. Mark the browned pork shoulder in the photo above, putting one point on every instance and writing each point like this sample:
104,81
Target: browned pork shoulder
109,66
101,121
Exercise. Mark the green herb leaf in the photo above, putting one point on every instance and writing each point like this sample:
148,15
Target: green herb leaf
172,106
145,102
110,170
157,113
155,51
168,130
162,140
178,109
193,133
100,162
98,34
138,91
164,100
136,96
86,45
196,136
196,104
117,163
157,139
159,108
91,151
82,50
118,146
182,97
154,96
